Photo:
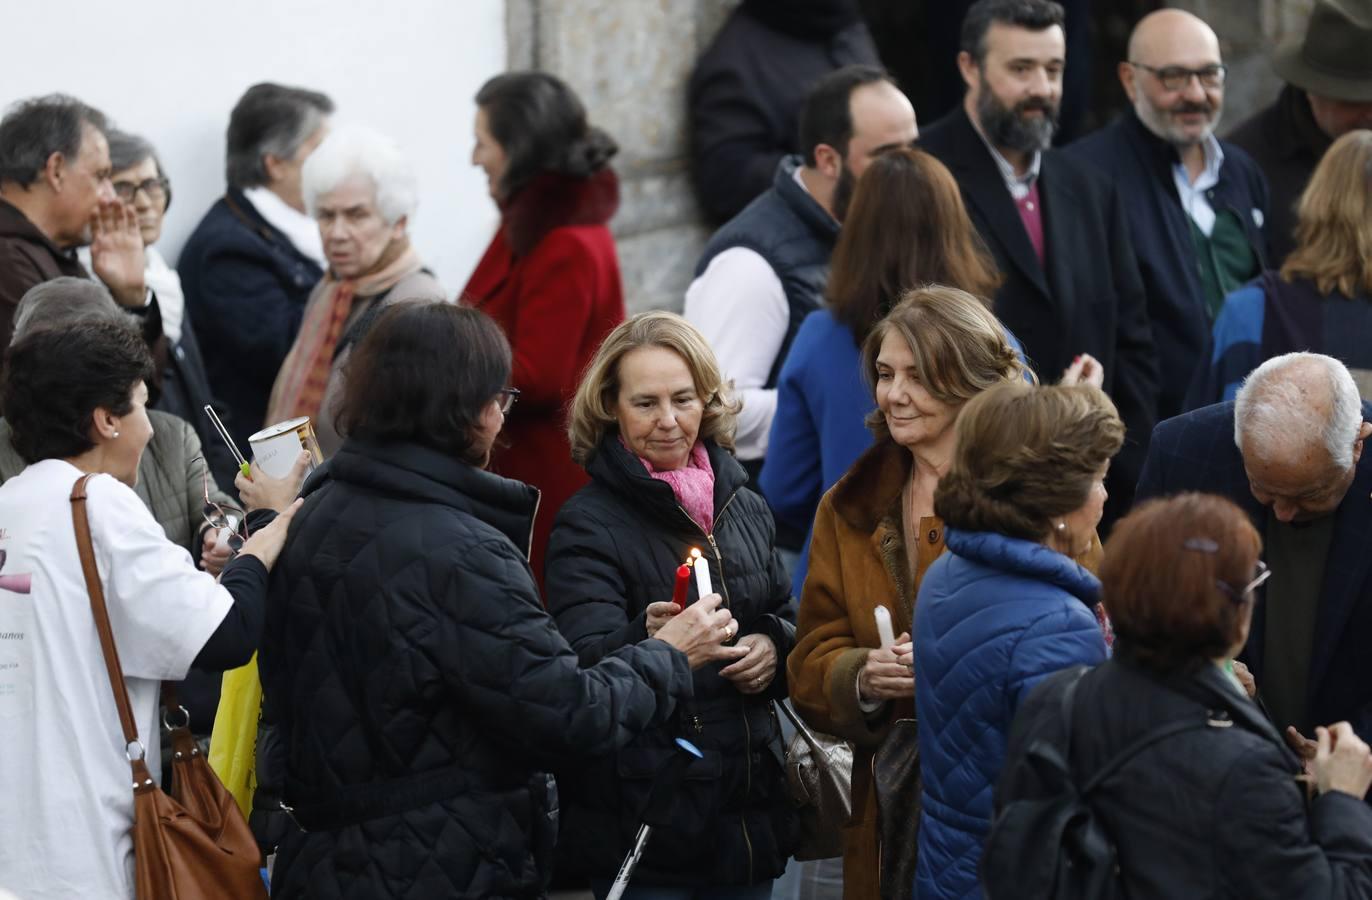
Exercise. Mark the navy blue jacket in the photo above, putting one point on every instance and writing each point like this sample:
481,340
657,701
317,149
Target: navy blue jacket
1086,298
793,233
1140,164
246,286
1196,452
995,616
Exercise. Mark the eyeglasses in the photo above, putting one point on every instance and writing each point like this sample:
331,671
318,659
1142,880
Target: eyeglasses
1260,575
1176,78
154,188
508,396
222,515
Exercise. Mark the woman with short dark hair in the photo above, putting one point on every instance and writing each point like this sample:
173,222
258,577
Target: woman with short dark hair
418,687
75,399
1007,605
550,276
1217,808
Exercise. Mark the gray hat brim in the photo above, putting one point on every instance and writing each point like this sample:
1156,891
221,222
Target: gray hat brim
1296,70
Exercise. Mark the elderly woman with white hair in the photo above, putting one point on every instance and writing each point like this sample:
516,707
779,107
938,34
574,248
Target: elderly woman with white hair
362,191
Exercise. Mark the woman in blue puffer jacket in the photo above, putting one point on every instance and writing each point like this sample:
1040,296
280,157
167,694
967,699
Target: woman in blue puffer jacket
1005,606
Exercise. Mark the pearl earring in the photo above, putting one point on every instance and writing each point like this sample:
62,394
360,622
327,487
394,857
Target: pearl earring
1062,526
116,434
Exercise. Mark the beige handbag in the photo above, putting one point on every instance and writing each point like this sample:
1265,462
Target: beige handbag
819,773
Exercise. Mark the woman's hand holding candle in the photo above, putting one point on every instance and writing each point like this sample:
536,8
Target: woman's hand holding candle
701,632
657,615
889,673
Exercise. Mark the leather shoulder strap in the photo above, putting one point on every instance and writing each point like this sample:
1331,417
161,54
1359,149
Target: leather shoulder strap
86,550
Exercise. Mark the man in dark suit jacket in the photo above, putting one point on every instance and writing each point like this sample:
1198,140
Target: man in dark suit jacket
1296,466
1057,230
249,267
1196,204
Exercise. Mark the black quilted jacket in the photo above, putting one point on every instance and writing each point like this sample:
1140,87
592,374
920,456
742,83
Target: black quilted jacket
615,549
420,687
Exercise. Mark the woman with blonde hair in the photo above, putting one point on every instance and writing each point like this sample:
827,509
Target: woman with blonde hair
653,426
1321,300
1007,605
875,535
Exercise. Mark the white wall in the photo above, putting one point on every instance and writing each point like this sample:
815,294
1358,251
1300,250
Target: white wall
171,71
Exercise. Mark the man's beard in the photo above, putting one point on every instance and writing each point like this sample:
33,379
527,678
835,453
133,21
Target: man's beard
1160,122
1008,127
843,191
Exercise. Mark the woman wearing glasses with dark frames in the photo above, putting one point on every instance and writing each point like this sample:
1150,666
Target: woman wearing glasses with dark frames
1220,807
141,184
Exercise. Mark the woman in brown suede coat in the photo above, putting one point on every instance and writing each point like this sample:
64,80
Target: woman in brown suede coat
875,535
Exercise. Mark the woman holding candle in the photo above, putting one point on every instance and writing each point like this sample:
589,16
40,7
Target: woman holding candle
418,686
875,536
653,427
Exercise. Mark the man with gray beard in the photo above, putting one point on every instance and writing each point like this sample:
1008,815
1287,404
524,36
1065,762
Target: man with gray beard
1197,205
1056,229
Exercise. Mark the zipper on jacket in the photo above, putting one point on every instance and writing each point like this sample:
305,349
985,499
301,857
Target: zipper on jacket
710,537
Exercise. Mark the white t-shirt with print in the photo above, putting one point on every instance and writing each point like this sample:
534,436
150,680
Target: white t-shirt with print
66,791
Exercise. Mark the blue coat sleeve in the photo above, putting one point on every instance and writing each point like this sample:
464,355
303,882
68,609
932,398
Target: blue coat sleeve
1053,642
792,478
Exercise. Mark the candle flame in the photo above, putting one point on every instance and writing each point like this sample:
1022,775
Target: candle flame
695,555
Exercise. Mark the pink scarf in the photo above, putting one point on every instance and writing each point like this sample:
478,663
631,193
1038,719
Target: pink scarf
693,485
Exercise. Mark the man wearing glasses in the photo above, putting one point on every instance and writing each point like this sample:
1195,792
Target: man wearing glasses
1197,205
55,196
1290,451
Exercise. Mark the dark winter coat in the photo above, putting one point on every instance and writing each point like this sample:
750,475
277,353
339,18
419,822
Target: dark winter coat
1140,165
1214,811
1087,298
747,89
615,549
420,687
246,285
1286,143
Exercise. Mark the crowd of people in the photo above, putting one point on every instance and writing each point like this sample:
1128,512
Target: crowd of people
1035,475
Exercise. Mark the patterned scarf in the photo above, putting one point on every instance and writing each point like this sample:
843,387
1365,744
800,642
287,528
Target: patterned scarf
693,484
304,376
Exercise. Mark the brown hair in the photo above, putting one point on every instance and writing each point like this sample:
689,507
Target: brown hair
960,348
593,407
906,227
1160,581
1025,456
1334,220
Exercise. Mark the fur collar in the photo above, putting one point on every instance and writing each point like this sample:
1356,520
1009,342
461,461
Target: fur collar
869,492
553,200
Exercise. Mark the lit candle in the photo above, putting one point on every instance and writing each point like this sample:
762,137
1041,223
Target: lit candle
703,586
683,575
886,633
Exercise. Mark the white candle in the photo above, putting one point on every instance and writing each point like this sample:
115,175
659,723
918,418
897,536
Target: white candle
702,569
884,629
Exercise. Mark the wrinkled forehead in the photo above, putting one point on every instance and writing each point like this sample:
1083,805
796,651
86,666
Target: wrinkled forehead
1290,466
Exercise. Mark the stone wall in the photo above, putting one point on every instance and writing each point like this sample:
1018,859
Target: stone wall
629,60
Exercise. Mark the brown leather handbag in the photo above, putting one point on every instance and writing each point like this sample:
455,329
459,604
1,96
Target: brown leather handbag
193,844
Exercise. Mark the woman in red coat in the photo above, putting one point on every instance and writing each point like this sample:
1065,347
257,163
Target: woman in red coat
550,276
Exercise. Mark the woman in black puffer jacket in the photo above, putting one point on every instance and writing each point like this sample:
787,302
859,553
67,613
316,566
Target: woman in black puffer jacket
419,688
652,427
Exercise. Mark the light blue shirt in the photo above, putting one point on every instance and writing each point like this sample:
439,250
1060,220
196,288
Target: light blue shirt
1193,194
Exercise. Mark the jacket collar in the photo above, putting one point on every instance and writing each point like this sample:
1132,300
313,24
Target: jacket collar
1295,132
616,468
551,200
14,225
421,473
869,492
799,201
1021,557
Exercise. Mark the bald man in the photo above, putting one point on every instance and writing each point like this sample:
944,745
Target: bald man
1289,450
1197,205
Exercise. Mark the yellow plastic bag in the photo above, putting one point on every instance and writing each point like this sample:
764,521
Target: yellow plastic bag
233,743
